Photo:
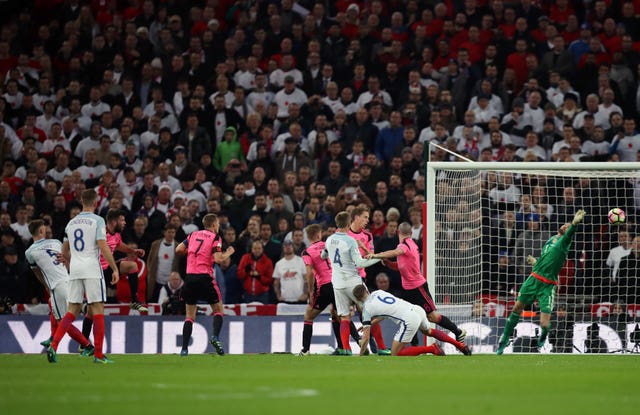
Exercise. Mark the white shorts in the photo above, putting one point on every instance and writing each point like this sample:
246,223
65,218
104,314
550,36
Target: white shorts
59,300
345,299
93,289
411,324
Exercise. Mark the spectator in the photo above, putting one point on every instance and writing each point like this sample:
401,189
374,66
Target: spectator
289,282
162,262
170,297
256,270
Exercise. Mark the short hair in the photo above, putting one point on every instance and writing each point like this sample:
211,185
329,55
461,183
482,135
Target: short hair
169,227
209,219
358,210
89,197
343,219
359,291
404,228
35,225
313,231
113,214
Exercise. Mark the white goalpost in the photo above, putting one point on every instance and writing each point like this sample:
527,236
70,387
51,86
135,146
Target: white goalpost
484,218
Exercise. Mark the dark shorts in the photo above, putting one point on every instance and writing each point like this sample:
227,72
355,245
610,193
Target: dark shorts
108,274
322,297
420,296
200,287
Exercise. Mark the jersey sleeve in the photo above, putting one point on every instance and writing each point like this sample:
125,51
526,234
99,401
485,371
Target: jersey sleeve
217,244
567,238
306,258
366,316
29,258
101,229
403,248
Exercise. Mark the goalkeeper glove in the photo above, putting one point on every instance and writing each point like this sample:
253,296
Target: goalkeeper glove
578,217
531,260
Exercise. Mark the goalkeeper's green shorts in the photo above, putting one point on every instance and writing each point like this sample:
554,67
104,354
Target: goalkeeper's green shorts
533,289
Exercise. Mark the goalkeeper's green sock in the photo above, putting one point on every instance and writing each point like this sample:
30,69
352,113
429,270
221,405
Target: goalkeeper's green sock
543,335
512,322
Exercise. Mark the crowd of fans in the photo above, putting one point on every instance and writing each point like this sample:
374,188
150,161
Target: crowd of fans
278,114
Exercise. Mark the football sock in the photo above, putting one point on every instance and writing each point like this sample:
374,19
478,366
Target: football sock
543,335
376,332
133,286
416,350
354,331
98,334
307,332
217,324
449,325
186,332
87,324
335,324
344,334
54,324
511,324
444,337
76,335
62,329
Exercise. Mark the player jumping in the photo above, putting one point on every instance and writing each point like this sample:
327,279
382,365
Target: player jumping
541,284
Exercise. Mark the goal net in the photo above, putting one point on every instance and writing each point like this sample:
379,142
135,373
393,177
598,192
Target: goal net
484,219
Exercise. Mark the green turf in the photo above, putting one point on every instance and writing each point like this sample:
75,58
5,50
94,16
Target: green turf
279,384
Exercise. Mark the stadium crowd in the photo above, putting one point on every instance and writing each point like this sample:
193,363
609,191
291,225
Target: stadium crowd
277,114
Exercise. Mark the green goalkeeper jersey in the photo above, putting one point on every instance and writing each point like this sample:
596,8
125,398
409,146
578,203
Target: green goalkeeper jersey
554,254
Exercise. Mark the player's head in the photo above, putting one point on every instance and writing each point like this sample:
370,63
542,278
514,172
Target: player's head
404,230
116,220
210,221
360,216
563,228
37,229
89,198
314,232
360,292
343,220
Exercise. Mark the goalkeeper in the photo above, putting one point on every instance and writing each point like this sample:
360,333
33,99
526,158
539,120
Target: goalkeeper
542,282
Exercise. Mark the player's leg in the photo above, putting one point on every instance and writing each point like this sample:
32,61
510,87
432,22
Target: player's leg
59,300
53,322
187,327
546,298
343,308
189,293
131,269
424,296
310,315
512,322
406,332
76,293
95,289
215,300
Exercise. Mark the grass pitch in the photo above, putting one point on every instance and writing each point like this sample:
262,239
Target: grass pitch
287,384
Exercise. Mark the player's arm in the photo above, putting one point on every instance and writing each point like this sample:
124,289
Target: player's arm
182,247
568,235
366,335
387,254
310,280
221,256
357,258
108,256
39,276
66,251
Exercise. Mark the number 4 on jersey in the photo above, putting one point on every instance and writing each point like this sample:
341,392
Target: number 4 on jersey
336,258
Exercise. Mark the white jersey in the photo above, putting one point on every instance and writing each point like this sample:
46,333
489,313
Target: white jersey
383,304
344,254
83,233
44,255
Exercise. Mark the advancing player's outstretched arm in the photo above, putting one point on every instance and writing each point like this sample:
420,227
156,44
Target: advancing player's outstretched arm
106,253
392,253
357,258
